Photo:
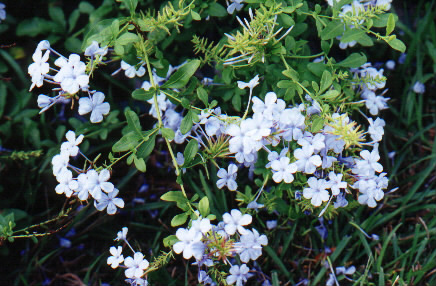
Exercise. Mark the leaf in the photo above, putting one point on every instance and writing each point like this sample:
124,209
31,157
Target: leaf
130,4
168,133
190,151
186,124
326,81
285,84
179,219
57,15
170,240
203,207
35,26
181,77
202,95
173,196
390,25
195,16
331,94
352,35
236,101
133,121
147,147
142,94
216,10
127,142
333,29
397,45
85,7
354,60
317,124
292,74
127,38
316,68
139,164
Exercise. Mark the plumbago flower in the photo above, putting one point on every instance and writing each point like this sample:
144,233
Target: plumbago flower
109,201
238,275
116,258
136,265
71,76
317,191
39,68
227,178
95,105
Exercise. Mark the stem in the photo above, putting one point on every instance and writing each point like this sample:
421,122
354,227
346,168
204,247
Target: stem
248,105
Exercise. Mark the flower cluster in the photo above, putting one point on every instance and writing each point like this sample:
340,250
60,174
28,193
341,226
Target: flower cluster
89,183
71,77
134,266
209,244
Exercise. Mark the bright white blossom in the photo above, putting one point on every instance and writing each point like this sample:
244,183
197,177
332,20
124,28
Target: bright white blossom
250,245
116,258
71,76
95,105
66,183
122,234
94,49
336,183
418,87
283,170
39,68
109,201
131,71
71,146
238,275
190,243
235,221
306,161
317,191
227,178
136,265
251,84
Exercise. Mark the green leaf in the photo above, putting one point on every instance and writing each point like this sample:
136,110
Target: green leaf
236,102
168,133
127,142
216,10
317,124
186,124
333,29
130,4
354,60
352,35
147,147
202,95
35,26
203,207
397,45
127,38
190,151
316,68
390,25
173,196
285,84
133,121
331,94
195,16
85,7
170,240
72,20
179,219
326,81
139,164
181,77
142,94
58,16
292,74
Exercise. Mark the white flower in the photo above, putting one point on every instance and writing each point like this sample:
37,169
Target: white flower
336,183
250,245
190,243
66,183
96,183
369,164
317,191
375,103
202,225
2,12
418,87
44,100
71,76
271,224
130,71
204,279
83,191
227,178
95,105
234,5
375,129
122,234
70,147
307,162
238,275
370,192
43,45
390,65
283,170
316,141
94,49
116,257
39,68
136,265
60,163
274,156
292,123
235,221
251,84
110,201
346,271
